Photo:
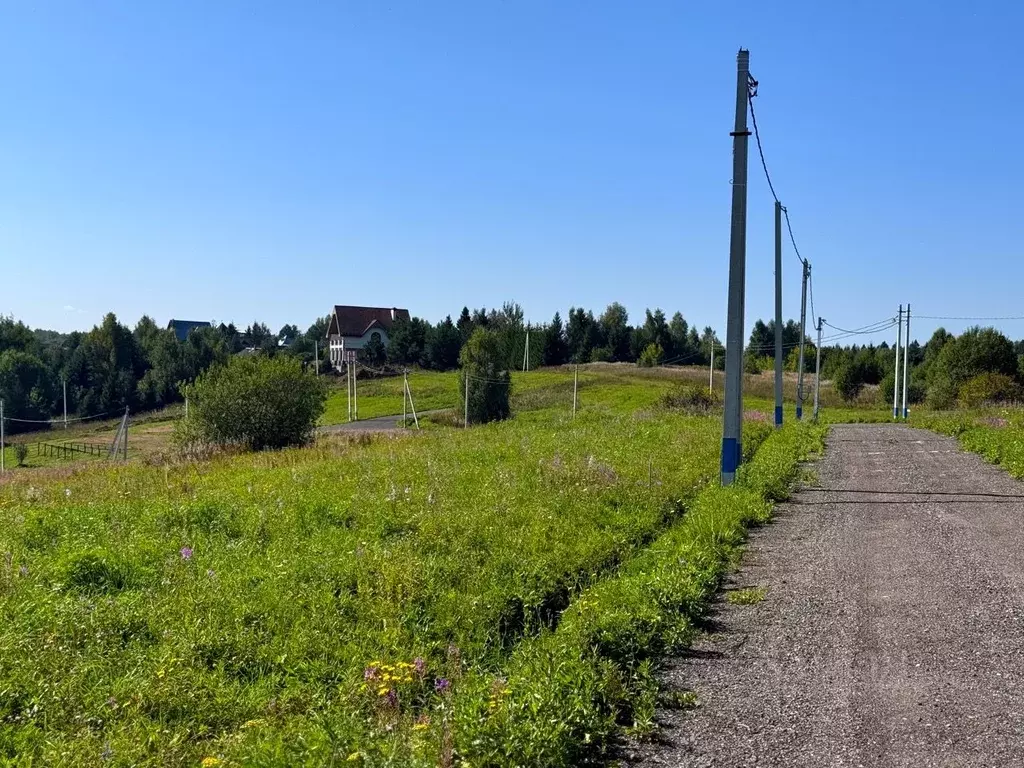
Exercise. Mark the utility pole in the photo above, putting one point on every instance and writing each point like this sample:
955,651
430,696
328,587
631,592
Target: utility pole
711,368
2,447
732,426
896,371
817,372
355,390
348,388
64,384
316,356
803,335
526,350
906,358
575,386
125,454
465,421
778,315
405,397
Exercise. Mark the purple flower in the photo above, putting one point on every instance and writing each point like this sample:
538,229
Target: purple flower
442,684
186,553
392,698
370,673
420,665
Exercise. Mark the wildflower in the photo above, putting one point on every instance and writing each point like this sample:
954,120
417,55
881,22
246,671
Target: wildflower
442,684
253,723
419,665
211,762
23,570
371,673
422,723
112,702
352,758
186,552
210,573
67,493
392,698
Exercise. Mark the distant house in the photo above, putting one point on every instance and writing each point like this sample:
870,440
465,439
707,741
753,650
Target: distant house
352,328
182,328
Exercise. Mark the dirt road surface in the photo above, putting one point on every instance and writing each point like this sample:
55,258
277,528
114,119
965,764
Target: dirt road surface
892,630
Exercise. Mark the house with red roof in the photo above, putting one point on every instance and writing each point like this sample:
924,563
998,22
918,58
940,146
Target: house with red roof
352,328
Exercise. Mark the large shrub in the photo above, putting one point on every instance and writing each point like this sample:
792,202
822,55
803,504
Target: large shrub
651,356
254,402
692,398
490,384
848,382
988,388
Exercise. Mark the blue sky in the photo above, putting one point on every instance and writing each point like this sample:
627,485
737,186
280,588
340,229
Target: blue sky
257,160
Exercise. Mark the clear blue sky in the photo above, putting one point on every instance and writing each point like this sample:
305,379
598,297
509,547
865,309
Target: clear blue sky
255,160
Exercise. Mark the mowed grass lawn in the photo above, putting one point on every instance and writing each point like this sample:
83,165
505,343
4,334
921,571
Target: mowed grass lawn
492,596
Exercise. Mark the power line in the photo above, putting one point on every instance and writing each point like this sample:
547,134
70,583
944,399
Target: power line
757,135
871,328
938,317
767,176
810,287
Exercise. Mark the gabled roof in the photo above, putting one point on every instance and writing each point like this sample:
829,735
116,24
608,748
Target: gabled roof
355,321
182,328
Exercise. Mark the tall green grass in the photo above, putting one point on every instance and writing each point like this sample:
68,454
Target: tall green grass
466,597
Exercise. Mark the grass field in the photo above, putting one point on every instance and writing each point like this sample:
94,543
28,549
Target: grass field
489,596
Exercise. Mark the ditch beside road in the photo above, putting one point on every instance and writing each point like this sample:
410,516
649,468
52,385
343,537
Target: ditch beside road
891,630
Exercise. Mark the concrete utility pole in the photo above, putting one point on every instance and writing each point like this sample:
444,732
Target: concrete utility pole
711,368
316,356
896,372
906,357
405,398
465,421
732,436
778,314
2,467
817,372
803,335
348,388
575,386
64,384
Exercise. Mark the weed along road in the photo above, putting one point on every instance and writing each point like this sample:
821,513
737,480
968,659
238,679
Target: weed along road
891,632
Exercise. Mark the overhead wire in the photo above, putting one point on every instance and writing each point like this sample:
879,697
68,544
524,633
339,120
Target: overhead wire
751,93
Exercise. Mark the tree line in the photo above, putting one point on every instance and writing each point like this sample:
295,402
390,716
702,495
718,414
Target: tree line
112,366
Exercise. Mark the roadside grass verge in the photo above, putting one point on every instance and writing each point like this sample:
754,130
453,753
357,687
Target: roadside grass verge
997,435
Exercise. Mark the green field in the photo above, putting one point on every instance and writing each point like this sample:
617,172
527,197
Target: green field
491,596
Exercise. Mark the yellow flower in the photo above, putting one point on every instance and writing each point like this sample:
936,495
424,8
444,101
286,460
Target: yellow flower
253,723
352,758
211,762
420,727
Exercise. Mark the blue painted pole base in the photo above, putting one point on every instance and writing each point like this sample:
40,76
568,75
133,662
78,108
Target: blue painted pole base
906,412
895,413
799,413
731,454
778,415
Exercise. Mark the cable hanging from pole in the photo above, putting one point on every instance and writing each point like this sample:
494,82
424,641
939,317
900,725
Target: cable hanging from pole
752,92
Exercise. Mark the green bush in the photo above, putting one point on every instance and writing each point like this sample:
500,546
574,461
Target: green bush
254,402
755,365
490,385
988,388
692,398
20,453
847,382
651,356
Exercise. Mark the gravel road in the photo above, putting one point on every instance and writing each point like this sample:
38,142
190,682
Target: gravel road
892,631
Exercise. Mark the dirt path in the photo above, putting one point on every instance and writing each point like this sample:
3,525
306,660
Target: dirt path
892,632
